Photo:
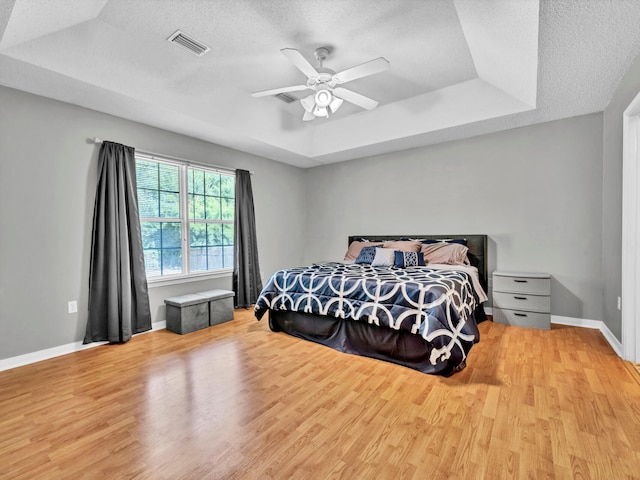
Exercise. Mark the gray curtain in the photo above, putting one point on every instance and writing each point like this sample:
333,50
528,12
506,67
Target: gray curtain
247,283
118,295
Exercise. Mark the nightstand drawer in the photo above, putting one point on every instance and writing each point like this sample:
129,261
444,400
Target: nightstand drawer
522,301
517,318
535,286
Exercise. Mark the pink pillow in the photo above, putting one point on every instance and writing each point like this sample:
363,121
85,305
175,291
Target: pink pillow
448,253
403,246
355,247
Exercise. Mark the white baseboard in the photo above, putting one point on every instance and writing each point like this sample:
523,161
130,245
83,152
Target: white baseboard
33,357
583,323
595,324
46,354
158,326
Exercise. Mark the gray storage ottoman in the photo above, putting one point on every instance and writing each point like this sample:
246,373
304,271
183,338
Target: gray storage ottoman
220,305
187,313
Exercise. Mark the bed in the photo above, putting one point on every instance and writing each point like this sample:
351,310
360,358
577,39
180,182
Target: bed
421,317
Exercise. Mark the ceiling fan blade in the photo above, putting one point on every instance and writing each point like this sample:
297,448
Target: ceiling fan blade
275,91
355,98
300,62
377,65
308,116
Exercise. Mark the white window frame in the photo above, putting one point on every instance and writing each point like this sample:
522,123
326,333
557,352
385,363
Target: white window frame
186,275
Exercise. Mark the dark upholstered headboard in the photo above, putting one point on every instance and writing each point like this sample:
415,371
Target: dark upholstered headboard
477,248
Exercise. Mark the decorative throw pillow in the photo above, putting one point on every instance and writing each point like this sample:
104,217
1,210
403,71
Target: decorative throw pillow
403,246
356,246
409,259
447,253
385,257
366,255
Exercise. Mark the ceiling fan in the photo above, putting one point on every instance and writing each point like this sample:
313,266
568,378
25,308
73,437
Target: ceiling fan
328,95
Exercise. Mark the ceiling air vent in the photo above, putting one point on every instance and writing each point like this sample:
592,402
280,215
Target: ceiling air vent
183,40
285,97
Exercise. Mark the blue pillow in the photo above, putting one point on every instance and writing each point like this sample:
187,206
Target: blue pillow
367,254
409,259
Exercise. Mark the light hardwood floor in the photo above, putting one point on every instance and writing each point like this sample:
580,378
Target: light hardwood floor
237,401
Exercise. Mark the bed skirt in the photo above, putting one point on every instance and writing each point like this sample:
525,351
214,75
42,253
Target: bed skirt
360,338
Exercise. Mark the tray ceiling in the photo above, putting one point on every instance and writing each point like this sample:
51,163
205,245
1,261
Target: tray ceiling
458,67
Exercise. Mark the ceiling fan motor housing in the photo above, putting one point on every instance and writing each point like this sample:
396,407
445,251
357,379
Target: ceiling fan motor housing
321,53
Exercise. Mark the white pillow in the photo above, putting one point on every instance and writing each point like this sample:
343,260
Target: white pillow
384,257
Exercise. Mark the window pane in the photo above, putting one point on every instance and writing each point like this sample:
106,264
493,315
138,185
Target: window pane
196,181
227,186
171,235
227,234
228,257
213,208
162,248
169,178
214,234
152,262
148,203
171,261
215,258
150,235
147,174
198,261
212,184
158,189
196,206
169,205
228,208
198,234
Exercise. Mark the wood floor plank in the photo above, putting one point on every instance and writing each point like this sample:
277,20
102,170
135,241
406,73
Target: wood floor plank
237,401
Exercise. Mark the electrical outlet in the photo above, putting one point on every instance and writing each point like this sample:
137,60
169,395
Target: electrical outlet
619,303
73,306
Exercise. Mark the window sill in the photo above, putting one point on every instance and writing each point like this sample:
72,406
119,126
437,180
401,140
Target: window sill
176,279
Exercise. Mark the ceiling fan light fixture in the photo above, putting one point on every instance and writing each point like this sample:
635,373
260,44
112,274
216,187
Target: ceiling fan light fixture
308,103
321,111
323,98
335,104
324,103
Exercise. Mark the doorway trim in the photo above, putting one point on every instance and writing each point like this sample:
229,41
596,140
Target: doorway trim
631,231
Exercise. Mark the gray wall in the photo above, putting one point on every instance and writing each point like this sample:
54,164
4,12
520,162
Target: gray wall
536,191
48,173
612,195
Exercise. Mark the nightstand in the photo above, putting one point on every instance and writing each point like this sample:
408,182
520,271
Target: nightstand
522,299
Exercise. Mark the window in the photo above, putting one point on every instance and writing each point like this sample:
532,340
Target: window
186,217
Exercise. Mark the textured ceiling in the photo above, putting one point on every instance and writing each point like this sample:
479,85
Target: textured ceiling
458,67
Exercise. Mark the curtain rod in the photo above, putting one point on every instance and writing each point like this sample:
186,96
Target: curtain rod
160,156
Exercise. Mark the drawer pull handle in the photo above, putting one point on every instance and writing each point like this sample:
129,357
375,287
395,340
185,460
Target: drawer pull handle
520,281
520,298
520,314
